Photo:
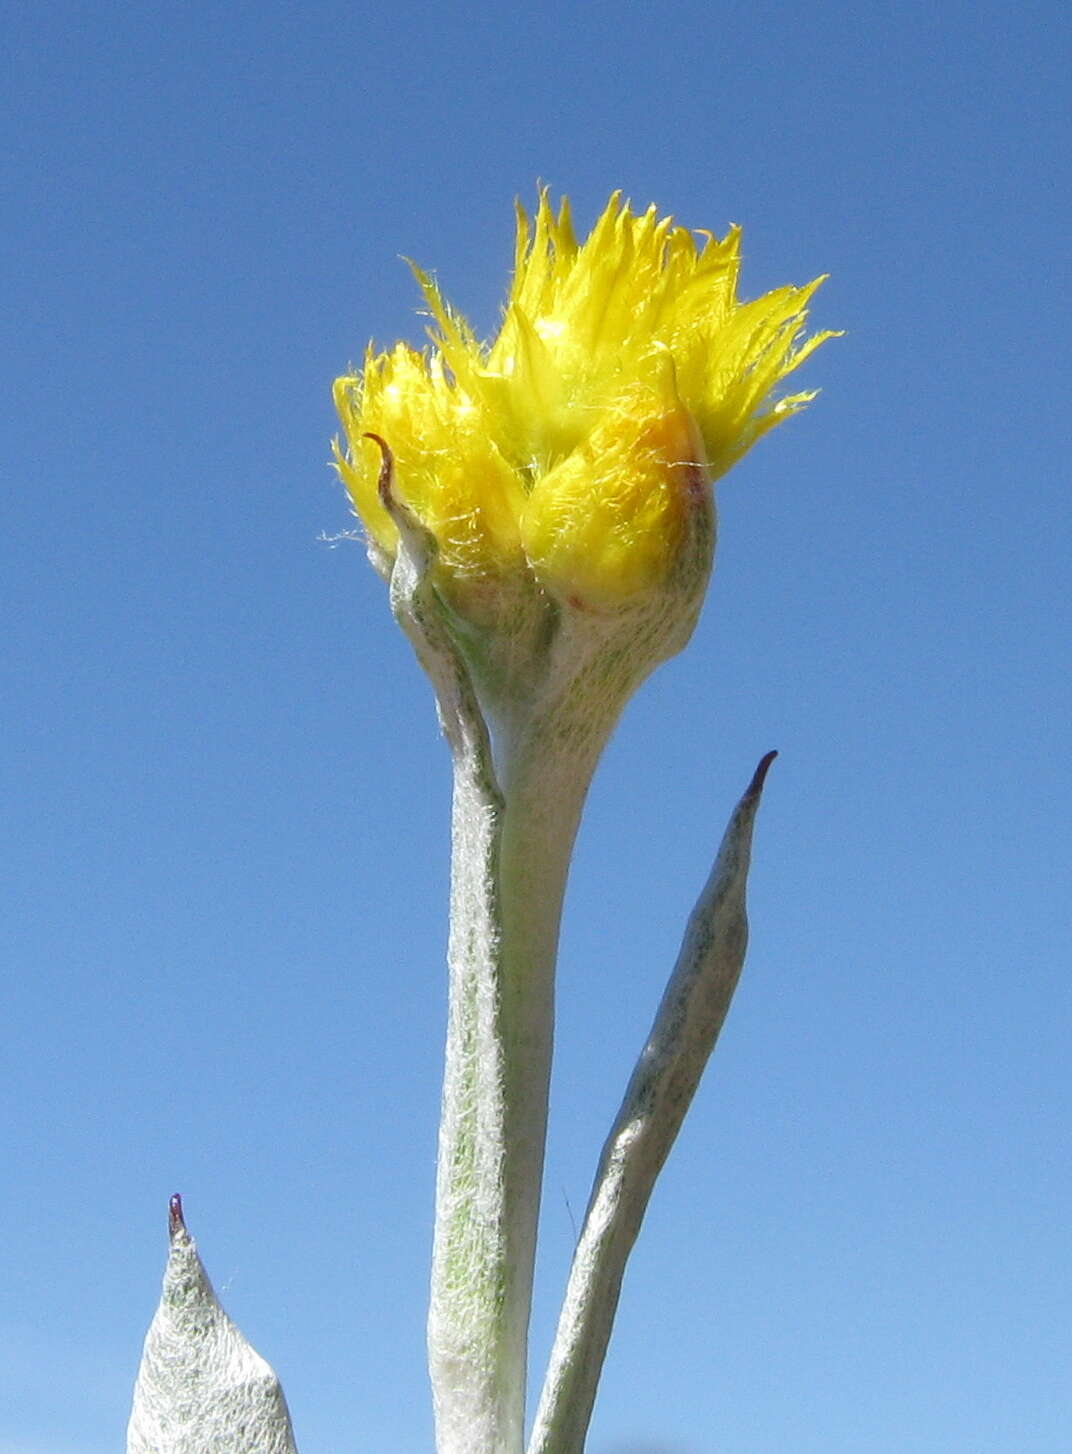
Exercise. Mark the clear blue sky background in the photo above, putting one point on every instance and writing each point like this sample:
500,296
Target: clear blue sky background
225,803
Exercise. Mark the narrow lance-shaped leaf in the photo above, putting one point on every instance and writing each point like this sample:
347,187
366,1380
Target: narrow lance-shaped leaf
201,1388
659,1093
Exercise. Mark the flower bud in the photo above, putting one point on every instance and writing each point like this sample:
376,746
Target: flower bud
568,464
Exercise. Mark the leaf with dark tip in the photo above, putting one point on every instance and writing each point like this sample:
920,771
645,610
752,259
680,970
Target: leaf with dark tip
663,1083
201,1388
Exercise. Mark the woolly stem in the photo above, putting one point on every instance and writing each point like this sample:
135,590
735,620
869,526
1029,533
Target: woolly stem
508,881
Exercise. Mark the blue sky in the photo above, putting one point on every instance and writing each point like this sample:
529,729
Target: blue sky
225,804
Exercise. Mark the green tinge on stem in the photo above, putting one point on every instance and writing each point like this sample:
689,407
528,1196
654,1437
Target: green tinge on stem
687,1024
477,1395
504,934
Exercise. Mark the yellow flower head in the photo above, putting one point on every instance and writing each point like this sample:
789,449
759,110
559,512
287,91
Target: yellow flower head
576,448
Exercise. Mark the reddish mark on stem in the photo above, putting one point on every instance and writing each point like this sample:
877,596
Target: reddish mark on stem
696,483
176,1221
383,484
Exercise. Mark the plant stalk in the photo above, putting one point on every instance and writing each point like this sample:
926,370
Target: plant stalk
509,870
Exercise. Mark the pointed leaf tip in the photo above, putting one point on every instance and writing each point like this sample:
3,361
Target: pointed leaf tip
201,1386
383,484
759,777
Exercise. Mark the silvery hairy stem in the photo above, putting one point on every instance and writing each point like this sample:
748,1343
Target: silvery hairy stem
508,878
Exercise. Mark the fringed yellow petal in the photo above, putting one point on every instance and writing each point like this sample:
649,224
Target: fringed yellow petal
454,341
549,411
756,348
